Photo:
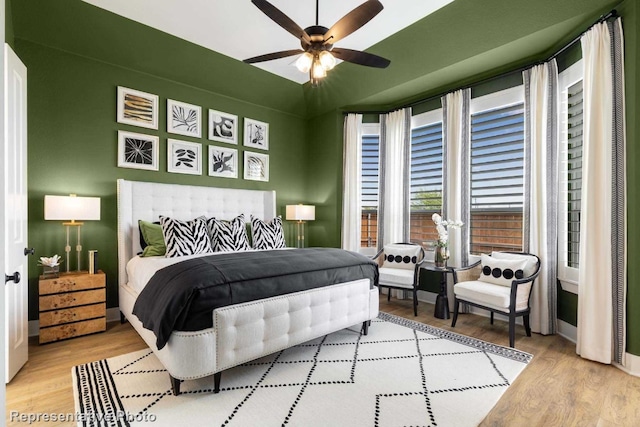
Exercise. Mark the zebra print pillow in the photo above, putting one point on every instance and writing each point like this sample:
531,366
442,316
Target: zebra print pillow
268,235
185,237
228,235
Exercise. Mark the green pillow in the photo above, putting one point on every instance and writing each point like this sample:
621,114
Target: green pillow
152,234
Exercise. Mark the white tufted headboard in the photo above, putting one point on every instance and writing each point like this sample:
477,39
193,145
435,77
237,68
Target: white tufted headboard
148,200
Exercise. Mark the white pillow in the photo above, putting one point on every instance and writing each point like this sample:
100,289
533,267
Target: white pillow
501,271
401,256
532,262
185,237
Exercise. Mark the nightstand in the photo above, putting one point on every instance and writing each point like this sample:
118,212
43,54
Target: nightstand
72,305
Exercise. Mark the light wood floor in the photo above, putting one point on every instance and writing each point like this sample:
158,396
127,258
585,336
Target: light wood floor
558,388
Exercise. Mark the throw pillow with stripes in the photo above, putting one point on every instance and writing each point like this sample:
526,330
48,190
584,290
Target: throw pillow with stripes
267,235
228,236
185,237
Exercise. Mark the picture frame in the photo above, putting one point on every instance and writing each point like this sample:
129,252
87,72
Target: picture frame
137,108
184,157
137,151
184,119
223,127
256,134
256,166
223,162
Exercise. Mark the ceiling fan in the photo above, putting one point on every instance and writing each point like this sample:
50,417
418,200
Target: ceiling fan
318,53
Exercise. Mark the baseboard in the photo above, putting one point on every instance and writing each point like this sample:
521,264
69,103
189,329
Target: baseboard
568,331
113,314
632,365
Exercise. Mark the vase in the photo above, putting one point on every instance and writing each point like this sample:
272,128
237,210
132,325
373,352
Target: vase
440,257
50,272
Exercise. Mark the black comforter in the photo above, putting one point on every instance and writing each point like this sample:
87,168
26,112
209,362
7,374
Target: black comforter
182,296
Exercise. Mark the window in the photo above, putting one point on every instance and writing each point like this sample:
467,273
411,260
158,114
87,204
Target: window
497,172
426,175
570,175
370,185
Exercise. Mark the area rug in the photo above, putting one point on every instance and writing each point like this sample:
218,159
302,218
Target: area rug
402,373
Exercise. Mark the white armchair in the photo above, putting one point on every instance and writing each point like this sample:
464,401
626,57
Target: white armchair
500,283
400,268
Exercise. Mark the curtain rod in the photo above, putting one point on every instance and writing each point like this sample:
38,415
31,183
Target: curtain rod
602,18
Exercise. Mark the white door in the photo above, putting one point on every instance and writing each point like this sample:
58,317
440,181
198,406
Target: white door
15,222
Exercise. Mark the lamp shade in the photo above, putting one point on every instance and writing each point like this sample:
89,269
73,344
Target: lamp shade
66,208
301,212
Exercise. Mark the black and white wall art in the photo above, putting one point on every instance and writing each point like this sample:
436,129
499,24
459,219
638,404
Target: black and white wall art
184,157
223,127
256,134
137,151
223,162
184,119
256,166
137,108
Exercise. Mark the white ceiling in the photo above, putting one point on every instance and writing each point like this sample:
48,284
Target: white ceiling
238,29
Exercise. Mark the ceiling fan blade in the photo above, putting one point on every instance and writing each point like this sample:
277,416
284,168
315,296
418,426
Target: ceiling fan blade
352,21
281,19
360,58
274,55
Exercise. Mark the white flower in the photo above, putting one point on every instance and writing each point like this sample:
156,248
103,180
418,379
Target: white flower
50,262
441,228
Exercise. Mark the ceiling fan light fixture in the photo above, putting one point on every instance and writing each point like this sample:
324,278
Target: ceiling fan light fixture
304,62
327,60
318,71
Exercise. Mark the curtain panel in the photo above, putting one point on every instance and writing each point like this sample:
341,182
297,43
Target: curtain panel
352,183
395,151
602,269
540,223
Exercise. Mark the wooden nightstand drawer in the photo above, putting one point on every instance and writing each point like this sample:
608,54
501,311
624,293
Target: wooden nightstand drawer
70,330
71,299
76,314
71,282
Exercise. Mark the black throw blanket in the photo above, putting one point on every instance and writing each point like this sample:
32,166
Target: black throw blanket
182,296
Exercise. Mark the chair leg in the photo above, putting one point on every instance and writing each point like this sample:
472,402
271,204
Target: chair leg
527,325
512,330
388,294
492,317
456,306
415,302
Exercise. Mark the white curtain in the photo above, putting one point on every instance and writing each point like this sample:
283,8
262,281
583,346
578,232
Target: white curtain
456,134
455,186
395,148
541,213
352,183
602,263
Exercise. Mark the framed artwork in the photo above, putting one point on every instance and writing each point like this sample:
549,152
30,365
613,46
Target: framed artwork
256,134
223,162
137,108
184,119
256,166
137,151
184,157
223,127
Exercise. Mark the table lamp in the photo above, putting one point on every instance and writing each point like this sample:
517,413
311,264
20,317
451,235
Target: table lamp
72,209
300,213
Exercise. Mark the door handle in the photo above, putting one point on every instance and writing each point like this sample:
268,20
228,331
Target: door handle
15,278
29,251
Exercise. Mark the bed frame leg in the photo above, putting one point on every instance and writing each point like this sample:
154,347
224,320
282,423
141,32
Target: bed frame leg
365,327
123,319
175,386
216,381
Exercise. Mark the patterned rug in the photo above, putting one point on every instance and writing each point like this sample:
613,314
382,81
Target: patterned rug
403,373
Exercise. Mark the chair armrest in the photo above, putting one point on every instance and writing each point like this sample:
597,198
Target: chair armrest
378,254
467,274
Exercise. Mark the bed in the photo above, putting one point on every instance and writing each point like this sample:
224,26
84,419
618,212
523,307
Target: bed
240,332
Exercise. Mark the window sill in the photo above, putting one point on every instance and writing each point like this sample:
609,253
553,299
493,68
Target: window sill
569,286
